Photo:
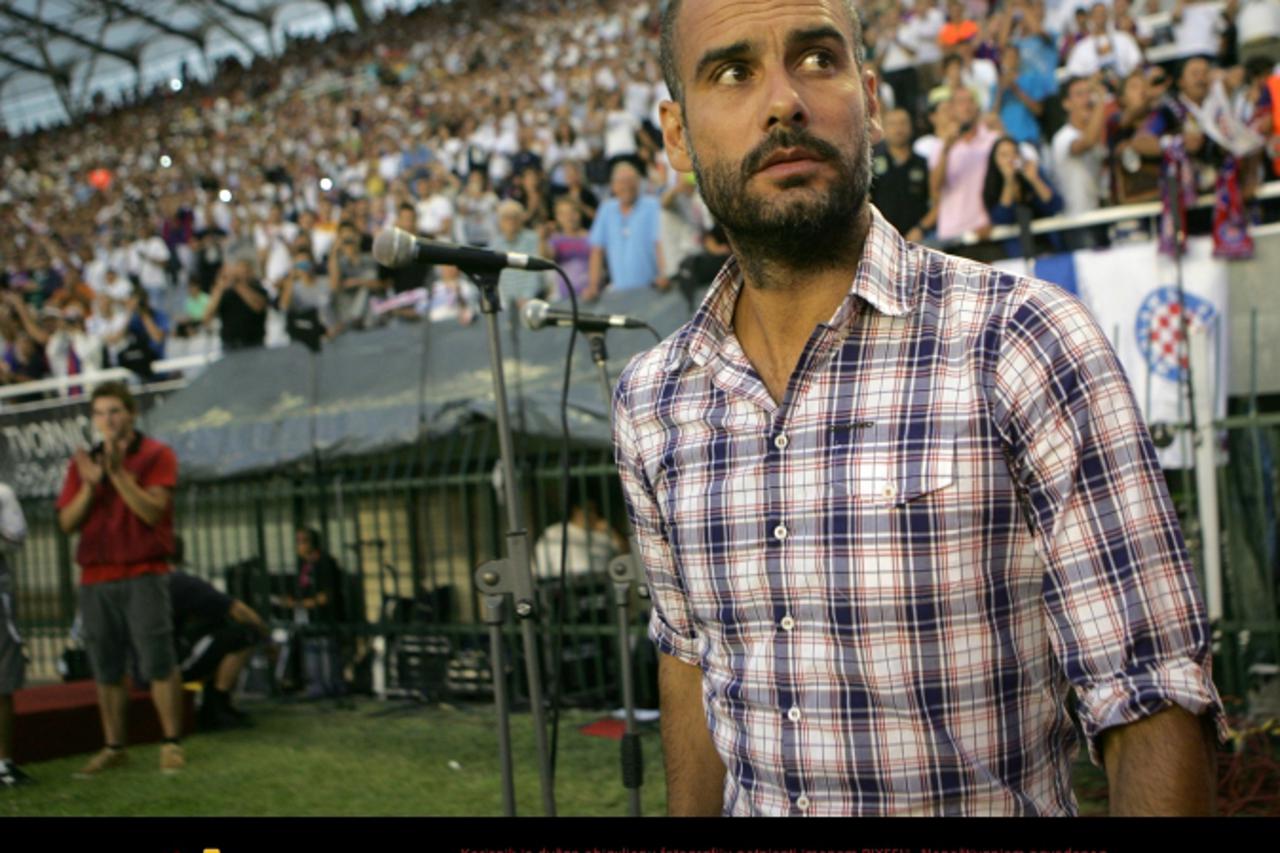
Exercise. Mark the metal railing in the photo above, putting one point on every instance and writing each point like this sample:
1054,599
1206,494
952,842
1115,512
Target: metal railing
88,380
409,528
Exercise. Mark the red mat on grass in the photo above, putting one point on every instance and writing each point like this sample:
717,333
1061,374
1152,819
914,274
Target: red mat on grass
607,727
57,720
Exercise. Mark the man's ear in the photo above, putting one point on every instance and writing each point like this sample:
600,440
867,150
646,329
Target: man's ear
874,117
674,136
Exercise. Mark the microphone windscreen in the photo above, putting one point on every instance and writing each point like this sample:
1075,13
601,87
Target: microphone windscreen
535,314
393,247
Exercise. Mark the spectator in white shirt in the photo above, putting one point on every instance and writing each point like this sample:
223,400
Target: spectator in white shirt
1080,153
592,541
434,207
1106,49
1079,147
620,128
107,323
896,57
1124,20
1197,28
149,261
926,25
979,74
71,349
273,241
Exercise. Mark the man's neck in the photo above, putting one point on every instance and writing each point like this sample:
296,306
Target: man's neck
900,153
781,304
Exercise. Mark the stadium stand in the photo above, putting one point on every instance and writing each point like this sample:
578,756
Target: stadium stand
121,233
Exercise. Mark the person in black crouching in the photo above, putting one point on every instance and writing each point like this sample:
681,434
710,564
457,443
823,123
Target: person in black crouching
215,635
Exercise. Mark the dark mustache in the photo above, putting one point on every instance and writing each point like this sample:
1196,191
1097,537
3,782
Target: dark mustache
787,138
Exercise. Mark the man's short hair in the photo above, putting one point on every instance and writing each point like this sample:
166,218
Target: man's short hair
624,166
1071,81
313,537
510,207
118,390
667,45
1182,67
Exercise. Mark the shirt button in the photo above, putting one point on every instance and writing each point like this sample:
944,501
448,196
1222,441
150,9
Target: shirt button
794,715
802,803
781,441
780,532
787,623
888,490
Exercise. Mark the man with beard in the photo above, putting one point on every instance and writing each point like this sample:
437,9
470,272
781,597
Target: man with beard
893,505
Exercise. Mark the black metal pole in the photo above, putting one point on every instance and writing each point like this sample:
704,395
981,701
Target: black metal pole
513,575
623,572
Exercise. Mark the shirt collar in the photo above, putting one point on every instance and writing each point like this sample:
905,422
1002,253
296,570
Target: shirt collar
885,279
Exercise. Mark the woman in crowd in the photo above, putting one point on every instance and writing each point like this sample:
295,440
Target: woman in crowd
530,191
566,147
1017,191
570,247
575,188
1133,177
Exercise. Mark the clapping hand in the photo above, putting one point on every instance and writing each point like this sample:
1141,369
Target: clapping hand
113,455
90,472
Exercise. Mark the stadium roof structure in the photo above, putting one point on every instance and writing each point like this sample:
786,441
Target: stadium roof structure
70,43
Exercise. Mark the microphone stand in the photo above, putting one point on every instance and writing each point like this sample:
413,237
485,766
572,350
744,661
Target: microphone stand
624,572
511,576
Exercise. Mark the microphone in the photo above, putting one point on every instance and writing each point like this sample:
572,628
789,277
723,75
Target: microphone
538,314
395,248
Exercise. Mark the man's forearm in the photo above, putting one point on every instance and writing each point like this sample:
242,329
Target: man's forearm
140,502
1161,765
1146,144
595,270
938,174
254,301
695,773
246,615
71,516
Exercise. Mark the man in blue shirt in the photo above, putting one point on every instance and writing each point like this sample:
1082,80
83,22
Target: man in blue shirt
1019,96
625,236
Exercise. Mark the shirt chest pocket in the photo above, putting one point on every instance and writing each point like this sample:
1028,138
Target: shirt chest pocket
883,470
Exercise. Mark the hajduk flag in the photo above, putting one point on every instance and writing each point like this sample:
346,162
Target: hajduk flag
1132,292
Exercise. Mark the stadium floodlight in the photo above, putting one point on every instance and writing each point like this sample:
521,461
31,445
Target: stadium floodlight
224,196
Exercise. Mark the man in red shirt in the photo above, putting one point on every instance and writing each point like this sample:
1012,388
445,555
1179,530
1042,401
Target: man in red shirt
119,497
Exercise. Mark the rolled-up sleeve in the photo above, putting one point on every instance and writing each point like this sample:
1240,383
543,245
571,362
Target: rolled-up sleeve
671,625
1125,614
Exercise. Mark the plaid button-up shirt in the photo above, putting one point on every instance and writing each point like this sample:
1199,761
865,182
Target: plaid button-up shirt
892,579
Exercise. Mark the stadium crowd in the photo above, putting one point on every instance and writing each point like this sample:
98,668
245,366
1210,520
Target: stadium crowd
241,212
